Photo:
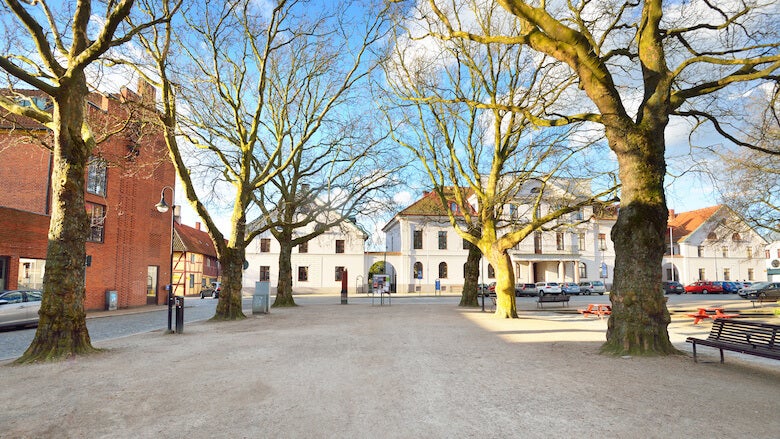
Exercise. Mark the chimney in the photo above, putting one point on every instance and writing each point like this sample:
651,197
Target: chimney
197,225
671,214
146,91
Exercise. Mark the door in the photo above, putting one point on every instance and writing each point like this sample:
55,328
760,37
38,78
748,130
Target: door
3,271
151,284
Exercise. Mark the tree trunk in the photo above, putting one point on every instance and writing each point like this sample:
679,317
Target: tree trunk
506,307
62,329
639,320
284,295
230,300
469,296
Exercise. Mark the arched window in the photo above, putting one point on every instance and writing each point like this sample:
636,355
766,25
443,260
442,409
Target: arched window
583,271
736,238
418,270
443,270
491,272
712,236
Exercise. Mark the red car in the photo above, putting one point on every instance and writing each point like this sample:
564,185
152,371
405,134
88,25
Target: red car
703,287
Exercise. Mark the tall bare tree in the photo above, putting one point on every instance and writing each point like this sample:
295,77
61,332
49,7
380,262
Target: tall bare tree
640,64
457,112
55,45
256,90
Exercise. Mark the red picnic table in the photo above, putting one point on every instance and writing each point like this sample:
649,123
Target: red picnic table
596,309
710,313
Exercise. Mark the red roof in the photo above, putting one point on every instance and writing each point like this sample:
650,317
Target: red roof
430,204
194,240
685,223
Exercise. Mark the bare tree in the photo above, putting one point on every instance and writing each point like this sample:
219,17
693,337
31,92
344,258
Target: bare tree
464,113
257,95
673,60
55,47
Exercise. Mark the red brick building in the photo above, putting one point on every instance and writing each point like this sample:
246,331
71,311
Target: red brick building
129,247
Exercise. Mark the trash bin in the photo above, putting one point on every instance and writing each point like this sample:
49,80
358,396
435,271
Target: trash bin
111,300
179,303
261,297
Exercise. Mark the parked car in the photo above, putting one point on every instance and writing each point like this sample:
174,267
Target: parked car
211,291
543,288
486,289
19,307
703,287
570,288
731,287
593,287
526,290
763,290
672,287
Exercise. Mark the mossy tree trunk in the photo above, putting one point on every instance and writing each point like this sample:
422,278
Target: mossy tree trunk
284,295
640,319
506,306
469,296
62,330
230,299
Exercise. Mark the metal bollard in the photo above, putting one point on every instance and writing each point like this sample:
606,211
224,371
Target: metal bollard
179,314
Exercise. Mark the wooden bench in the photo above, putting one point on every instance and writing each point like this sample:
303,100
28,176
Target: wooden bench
760,339
551,298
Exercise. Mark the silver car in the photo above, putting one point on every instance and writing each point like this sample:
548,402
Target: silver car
19,307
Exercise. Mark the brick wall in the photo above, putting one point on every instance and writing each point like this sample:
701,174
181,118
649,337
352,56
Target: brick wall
136,235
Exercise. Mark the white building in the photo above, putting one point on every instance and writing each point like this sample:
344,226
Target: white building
773,262
423,249
713,244
317,266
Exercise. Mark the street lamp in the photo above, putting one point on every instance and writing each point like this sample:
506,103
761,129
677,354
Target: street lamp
163,207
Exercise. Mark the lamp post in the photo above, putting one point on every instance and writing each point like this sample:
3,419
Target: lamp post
163,207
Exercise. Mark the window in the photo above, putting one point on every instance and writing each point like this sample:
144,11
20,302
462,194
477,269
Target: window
583,271
669,273
750,274
581,242
724,251
726,274
96,176
303,274
702,274
538,243
265,245
418,270
735,237
491,272
749,252
97,216
712,236
512,211
192,258
602,241
559,240
265,273
303,247
208,261
192,281
700,251
442,240
339,246
339,273
418,240
443,270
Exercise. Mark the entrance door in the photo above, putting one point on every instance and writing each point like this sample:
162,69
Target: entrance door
3,273
151,285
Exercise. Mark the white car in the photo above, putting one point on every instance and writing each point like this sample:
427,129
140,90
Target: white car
593,287
548,288
19,307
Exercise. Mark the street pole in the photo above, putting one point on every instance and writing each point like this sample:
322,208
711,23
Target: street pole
163,207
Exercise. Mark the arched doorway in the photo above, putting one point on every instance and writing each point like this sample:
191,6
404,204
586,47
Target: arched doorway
383,267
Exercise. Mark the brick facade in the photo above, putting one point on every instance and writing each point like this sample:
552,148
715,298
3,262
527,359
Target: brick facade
136,237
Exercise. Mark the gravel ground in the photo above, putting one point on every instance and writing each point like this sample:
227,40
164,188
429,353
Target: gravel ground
400,371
